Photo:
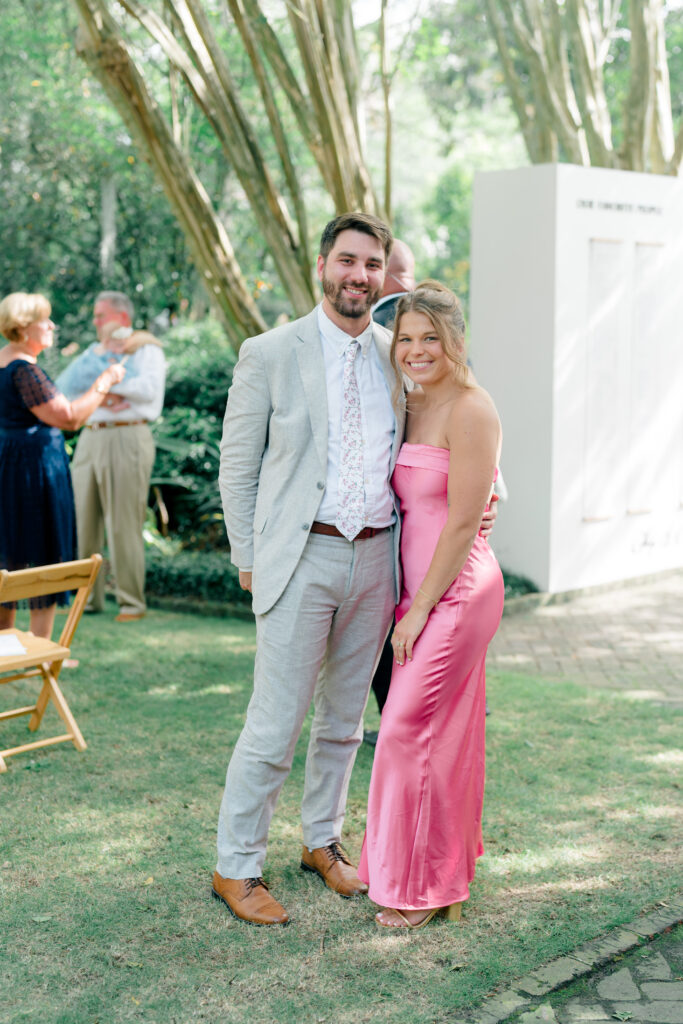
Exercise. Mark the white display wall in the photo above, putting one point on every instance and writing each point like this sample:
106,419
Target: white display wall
576,310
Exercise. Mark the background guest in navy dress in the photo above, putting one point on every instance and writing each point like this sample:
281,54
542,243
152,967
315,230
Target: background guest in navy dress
37,519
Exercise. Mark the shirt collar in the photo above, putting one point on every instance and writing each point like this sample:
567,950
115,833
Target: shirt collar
393,297
340,339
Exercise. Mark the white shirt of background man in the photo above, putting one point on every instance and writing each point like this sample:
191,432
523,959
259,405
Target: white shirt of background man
144,389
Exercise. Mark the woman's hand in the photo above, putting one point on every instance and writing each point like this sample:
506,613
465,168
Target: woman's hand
60,412
114,374
406,631
489,517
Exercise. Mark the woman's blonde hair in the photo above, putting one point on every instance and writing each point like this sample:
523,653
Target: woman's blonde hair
19,310
443,308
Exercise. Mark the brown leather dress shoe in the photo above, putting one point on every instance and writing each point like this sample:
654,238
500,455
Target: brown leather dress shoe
249,900
129,616
335,869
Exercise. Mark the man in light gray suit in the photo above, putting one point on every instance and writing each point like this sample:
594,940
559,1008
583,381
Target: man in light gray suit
323,602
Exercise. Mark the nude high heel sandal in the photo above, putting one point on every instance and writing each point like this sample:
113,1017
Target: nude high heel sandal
407,925
452,913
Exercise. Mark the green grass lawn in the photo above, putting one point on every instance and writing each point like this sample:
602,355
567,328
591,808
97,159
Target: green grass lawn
106,856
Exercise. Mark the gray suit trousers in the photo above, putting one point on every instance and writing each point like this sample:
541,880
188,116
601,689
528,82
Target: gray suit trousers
321,642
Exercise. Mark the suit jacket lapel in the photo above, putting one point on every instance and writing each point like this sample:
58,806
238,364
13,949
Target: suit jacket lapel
312,369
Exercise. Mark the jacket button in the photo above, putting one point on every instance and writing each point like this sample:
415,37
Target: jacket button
306,526
321,485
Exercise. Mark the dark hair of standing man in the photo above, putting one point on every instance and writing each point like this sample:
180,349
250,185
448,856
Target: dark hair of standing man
356,221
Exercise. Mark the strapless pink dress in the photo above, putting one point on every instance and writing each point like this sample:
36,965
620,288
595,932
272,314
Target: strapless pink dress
423,831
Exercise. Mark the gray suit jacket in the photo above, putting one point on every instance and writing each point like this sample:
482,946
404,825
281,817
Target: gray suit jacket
274,451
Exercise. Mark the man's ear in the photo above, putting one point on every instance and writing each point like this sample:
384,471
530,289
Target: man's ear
320,266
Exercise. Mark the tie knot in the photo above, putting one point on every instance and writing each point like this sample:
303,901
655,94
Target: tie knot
352,349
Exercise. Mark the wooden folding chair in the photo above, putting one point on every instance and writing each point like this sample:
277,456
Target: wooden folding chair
43,658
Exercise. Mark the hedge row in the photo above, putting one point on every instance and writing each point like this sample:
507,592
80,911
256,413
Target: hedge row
210,577
196,576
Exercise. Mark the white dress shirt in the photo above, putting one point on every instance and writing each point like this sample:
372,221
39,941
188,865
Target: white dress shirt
143,386
378,423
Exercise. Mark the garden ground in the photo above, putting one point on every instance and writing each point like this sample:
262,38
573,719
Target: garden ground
106,856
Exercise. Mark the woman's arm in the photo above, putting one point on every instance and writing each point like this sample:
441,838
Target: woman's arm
474,437
60,412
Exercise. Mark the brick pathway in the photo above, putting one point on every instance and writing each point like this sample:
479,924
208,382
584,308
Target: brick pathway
645,987
622,976
627,637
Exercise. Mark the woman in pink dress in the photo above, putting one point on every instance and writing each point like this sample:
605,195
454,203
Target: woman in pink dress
426,793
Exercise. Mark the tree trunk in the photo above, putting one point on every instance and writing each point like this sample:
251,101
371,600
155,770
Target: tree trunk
326,110
386,97
102,47
554,54
108,229
206,71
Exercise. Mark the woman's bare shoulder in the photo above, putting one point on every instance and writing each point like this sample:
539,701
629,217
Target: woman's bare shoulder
474,406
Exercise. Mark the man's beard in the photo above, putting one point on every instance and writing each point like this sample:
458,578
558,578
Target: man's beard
345,306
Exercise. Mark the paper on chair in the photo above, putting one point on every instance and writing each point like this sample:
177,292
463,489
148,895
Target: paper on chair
11,645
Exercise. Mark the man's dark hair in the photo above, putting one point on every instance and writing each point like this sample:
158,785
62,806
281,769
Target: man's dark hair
364,222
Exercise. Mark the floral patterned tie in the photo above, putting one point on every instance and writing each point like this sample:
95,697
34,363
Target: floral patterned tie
350,499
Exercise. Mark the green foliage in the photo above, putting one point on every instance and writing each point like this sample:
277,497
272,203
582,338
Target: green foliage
59,141
453,118
200,363
194,576
455,59
209,576
188,433
516,586
449,209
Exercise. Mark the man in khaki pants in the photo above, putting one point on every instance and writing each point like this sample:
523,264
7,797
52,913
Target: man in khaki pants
115,453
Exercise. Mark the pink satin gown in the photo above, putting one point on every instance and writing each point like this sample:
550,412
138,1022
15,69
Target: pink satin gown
426,795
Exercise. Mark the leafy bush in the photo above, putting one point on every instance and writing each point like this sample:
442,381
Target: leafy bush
194,576
200,364
209,576
516,585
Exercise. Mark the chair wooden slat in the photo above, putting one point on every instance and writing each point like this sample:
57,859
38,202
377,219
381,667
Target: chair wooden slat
50,741
43,658
16,712
41,580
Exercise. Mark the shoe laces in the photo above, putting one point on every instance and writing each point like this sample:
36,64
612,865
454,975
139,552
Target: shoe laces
254,883
335,852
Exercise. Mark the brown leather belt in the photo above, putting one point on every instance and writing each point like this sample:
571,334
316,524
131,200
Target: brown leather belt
332,531
105,424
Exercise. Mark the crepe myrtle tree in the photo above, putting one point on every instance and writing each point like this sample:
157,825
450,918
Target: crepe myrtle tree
560,60
156,60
